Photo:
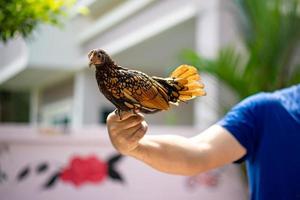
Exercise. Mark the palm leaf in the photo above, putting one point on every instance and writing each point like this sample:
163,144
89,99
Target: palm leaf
271,35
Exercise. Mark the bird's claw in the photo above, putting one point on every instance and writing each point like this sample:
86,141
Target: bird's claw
119,113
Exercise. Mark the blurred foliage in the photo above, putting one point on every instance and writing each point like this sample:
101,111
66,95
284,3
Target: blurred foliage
21,17
270,33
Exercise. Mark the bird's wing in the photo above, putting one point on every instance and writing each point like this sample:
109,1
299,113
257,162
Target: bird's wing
145,92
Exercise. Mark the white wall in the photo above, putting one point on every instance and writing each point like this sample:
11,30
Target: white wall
141,182
152,13
88,101
13,58
56,47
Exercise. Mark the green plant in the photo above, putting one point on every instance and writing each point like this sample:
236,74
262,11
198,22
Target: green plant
271,34
21,17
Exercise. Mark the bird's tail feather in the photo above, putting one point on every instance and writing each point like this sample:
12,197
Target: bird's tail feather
187,82
182,85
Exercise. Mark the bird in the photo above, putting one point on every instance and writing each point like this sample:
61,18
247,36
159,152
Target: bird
133,90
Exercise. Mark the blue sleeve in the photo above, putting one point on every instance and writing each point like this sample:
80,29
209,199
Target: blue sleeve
242,121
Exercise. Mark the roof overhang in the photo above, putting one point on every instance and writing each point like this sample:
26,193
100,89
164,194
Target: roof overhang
33,78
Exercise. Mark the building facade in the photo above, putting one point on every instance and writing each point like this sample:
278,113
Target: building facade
147,35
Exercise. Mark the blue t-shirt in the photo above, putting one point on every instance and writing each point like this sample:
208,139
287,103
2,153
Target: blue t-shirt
268,126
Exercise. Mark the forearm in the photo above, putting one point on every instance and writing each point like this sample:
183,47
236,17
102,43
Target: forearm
172,154
212,148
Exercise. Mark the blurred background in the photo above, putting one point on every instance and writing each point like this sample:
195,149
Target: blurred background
53,116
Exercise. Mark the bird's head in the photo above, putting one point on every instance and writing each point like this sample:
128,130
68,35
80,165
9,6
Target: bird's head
98,57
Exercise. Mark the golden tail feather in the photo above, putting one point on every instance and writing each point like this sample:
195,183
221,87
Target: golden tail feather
188,78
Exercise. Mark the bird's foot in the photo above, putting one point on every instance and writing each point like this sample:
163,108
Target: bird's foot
119,113
134,111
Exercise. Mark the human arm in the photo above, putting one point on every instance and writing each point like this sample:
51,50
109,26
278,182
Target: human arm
212,148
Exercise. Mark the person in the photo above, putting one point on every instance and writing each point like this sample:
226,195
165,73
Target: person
263,130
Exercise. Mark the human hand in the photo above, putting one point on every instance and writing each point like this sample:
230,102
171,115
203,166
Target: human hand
126,133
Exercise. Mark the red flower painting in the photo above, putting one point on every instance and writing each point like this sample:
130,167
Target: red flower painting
78,171
84,170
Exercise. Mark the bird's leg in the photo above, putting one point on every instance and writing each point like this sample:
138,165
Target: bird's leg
134,111
119,113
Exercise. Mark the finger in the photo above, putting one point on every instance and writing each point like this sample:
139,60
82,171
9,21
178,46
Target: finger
140,132
131,131
111,117
125,115
131,122
140,114
121,127
115,117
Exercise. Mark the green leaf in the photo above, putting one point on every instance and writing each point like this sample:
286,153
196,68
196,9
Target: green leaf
271,34
21,17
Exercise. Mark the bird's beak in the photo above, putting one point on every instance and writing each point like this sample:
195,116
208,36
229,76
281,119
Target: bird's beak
90,56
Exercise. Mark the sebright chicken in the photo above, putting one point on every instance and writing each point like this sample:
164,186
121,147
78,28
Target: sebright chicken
132,90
